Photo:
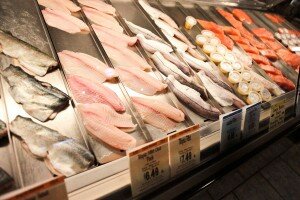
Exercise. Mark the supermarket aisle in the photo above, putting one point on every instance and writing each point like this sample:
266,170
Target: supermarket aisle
271,173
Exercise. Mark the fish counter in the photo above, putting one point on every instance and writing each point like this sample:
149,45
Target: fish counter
84,82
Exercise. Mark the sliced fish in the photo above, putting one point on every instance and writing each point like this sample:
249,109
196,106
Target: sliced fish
107,133
28,56
175,42
63,21
181,65
3,131
108,115
65,6
157,14
86,66
99,5
192,99
140,30
196,54
86,91
39,99
222,96
140,81
153,45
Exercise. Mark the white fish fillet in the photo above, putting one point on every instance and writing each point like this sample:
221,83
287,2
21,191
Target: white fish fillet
161,107
175,42
140,81
99,5
153,45
175,60
54,5
196,63
108,115
64,21
70,5
156,14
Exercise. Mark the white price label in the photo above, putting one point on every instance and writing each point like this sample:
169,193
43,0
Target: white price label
149,166
230,129
251,115
184,148
277,114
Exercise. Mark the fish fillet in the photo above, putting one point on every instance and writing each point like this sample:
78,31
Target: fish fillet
181,65
152,45
86,91
175,42
65,6
64,21
99,5
107,115
39,99
87,62
192,99
28,56
107,133
140,81
161,107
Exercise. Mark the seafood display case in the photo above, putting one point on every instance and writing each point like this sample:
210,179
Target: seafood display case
84,82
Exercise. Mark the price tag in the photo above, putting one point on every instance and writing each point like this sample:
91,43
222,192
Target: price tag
230,129
251,115
184,148
277,114
149,166
48,190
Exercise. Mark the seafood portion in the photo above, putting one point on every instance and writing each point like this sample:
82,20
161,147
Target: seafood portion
28,57
99,5
62,155
39,99
66,6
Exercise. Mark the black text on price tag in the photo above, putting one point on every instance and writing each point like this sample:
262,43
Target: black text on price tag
230,129
251,115
149,166
184,148
277,114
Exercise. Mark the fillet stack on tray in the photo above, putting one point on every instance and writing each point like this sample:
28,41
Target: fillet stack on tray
128,83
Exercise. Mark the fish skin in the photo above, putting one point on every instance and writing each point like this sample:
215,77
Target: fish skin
222,96
39,99
37,137
69,157
140,30
108,133
192,99
28,56
93,63
99,5
140,81
173,59
175,42
86,91
161,107
108,115
54,5
157,14
152,45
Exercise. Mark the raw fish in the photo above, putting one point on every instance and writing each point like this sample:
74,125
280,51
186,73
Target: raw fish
196,54
175,42
86,91
181,65
275,18
66,6
242,16
290,58
263,33
99,5
153,45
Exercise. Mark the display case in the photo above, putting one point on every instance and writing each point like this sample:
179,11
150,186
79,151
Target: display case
127,74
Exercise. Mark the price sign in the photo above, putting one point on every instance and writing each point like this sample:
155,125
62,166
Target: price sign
184,148
251,115
149,166
230,129
277,114
48,190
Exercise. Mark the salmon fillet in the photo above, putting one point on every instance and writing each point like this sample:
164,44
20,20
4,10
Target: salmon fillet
249,48
242,15
263,33
270,54
270,69
259,59
283,82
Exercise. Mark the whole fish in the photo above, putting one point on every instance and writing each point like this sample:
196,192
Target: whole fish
66,155
168,68
28,56
2,129
39,99
157,14
181,65
153,45
222,96
192,99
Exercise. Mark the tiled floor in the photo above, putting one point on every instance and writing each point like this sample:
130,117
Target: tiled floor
272,173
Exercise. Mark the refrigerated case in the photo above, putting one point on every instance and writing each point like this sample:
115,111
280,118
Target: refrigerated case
109,176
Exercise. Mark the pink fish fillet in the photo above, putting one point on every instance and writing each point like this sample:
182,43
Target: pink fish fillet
107,133
161,107
108,115
61,20
99,5
140,81
154,118
130,41
54,5
93,63
86,91
70,5
102,19
108,39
